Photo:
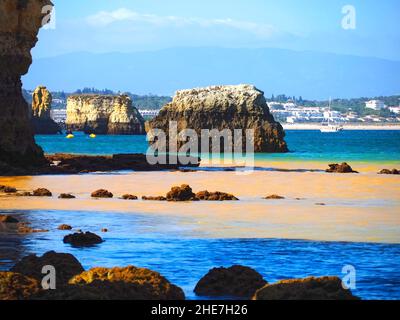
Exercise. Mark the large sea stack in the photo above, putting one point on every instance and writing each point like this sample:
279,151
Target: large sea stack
41,106
20,22
103,114
223,107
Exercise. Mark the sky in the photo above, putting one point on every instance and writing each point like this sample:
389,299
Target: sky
100,26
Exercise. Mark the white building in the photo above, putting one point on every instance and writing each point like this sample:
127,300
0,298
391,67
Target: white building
148,113
375,104
395,110
58,115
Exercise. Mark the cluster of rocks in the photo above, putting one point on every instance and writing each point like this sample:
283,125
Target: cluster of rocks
12,223
340,168
103,114
22,282
388,171
41,105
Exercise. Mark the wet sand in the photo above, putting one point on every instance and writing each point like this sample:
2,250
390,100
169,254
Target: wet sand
358,207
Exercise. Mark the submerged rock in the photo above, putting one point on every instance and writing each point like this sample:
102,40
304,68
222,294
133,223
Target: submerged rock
65,264
387,171
340,168
215,196
101,193
103,114
182,193
5,218
15,286
235,281
19,25
323,288
82,239
41,192
23,228
238,107
41,106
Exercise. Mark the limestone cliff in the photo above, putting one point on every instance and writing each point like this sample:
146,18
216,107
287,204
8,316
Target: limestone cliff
41,106
103,114
224,107
20,21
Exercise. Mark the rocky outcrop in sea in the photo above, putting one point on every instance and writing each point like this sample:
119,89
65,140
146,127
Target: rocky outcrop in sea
223,107
19,25
103,114
41,106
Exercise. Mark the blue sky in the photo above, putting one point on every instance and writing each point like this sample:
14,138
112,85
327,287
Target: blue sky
138,25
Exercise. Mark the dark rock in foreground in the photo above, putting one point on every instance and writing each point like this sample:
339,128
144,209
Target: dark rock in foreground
129,283
323,288
182,193
387,171
65,264
82,239
41,192
235,281
101,193
215,196
340,168
15,286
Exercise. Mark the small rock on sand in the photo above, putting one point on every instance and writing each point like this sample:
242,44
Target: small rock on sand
7,189
41,192
101,193
66,196
274,197
129,197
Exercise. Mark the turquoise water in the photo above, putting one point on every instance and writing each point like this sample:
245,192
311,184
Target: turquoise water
170,246
349,145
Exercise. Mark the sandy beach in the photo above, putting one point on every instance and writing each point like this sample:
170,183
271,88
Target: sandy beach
357,207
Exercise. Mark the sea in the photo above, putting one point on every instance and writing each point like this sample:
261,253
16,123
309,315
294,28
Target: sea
171,247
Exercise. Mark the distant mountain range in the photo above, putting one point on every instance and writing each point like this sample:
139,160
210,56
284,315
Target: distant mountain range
312,75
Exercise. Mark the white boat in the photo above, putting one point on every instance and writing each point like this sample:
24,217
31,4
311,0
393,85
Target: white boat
328,126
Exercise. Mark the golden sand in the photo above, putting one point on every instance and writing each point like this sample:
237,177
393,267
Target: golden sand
358,207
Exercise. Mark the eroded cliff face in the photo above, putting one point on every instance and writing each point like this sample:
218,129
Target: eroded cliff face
103,114
223,107
20,21
41,107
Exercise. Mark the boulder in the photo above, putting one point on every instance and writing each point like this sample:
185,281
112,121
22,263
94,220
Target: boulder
41,106
24,229
222,107
129,283
274,197
236,281
215,196
7,189
82,239
5,218
101,193
387,171
103,114
15,286
340,168
41,192
129,197
182,193
64,227
66,196
65,264
323,288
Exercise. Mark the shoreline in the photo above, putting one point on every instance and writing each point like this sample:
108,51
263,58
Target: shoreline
317,126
